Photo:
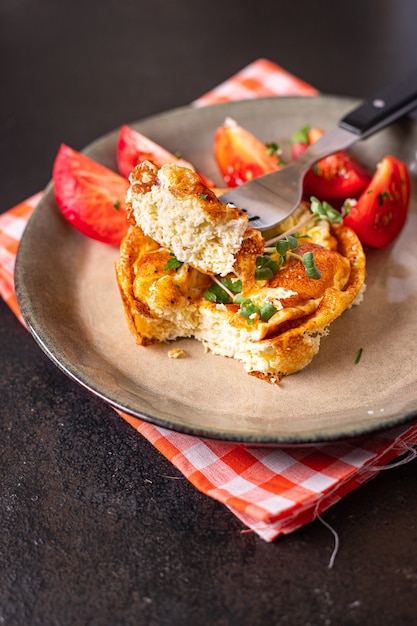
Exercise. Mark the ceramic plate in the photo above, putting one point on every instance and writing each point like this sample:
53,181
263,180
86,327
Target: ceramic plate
67,291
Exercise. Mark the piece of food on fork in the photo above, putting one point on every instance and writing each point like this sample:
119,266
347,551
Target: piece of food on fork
191,266
173,206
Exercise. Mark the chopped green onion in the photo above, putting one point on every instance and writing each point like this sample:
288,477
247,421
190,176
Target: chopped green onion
266,267
263,273
249,310
310,266
382,196
216,294
239,299
282,246
272,148
358,356
233,285
172,263
324,210
301,135
267,311
292,240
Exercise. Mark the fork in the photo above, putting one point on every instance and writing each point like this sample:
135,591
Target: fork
271,198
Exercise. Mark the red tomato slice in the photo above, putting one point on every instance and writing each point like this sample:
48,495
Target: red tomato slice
338,176
90,196
241,156
133,148
381,211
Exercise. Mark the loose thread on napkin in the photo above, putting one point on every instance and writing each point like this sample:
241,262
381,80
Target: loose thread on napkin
246,531
404,460
317,515
336,541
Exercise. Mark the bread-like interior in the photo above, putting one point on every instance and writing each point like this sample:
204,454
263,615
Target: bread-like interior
174,207
174,216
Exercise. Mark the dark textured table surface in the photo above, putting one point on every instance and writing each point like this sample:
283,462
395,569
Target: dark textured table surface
95,526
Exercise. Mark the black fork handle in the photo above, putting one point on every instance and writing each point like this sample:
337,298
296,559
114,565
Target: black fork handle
383,108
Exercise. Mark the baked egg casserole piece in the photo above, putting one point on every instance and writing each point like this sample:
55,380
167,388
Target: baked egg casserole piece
173,206
164,301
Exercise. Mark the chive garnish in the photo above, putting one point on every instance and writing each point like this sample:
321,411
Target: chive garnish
215,293
310,266
381,197
172,263
358,356
324,210
301,135
235,286
272,148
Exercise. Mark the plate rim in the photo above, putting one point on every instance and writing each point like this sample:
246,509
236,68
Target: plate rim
281,440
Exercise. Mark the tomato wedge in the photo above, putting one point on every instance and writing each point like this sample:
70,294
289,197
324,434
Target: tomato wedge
336,177
90,196
240,156
133,147
381,211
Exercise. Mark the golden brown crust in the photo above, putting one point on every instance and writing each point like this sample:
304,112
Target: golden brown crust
135,245
183,183
163,296
173,206
272,379
156,301
333,267
296,342
245,259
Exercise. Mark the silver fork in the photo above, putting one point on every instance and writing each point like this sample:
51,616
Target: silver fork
271,198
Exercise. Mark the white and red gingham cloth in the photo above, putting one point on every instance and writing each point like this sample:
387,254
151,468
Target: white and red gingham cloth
273,491
260,79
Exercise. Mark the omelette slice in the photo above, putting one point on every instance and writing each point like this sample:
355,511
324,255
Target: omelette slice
188,268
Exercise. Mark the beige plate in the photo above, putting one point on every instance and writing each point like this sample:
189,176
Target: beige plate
67,291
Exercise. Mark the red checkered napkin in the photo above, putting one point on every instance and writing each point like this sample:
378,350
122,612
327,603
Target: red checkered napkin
273,491
262,78
12,225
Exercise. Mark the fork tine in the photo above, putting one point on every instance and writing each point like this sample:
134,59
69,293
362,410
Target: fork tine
271,198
